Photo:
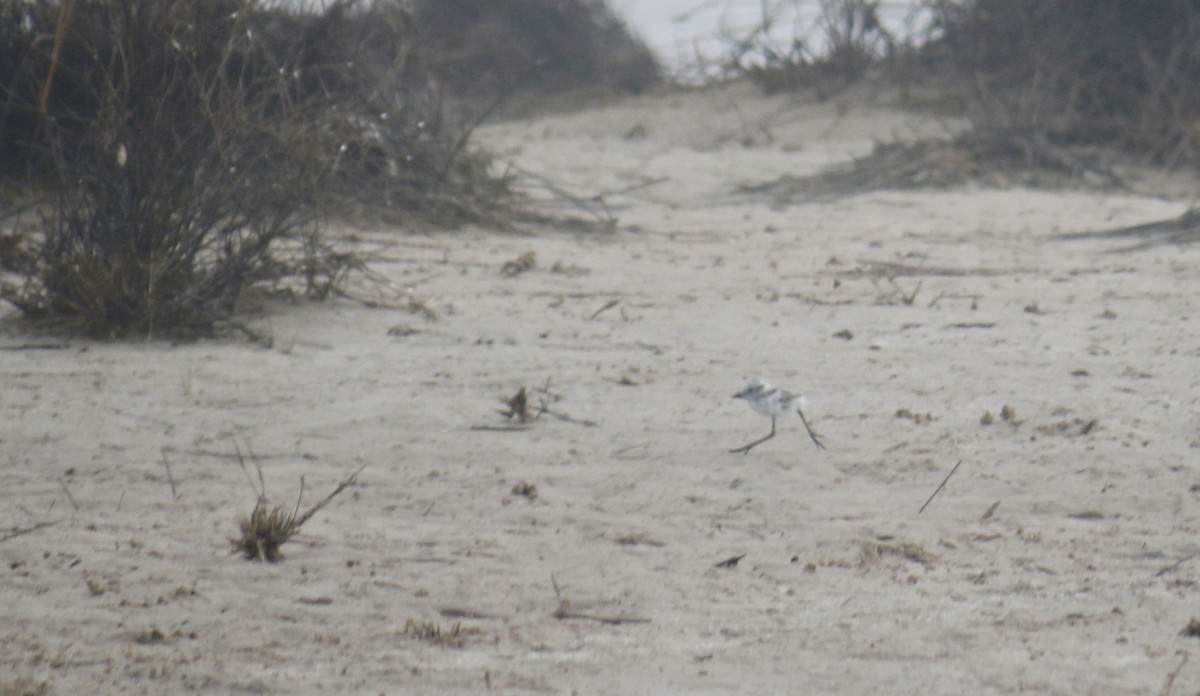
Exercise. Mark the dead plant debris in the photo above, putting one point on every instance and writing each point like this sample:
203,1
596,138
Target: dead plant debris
403,330
1074,427
730,562
566,611
518,407
150,636
523,263
430,632
266,530
639,539
525,489
872,551
998,160
914,417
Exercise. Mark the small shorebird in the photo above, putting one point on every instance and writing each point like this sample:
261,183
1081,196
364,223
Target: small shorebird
772,402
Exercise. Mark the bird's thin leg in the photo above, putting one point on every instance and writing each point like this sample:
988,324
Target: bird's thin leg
746,448
816,440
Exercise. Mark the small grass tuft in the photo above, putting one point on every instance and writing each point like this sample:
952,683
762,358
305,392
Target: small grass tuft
266,530
430,632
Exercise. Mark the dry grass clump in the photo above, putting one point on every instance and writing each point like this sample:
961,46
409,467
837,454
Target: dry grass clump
430,632
264,532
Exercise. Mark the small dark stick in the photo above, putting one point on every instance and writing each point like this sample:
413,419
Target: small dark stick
170,478
607,306
730,562
990,511
70,498
939,488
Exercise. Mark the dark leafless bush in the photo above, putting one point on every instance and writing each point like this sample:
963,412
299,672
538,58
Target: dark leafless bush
485,48
1077,71
847,39
183,142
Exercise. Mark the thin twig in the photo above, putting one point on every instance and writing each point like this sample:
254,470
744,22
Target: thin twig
299,497
347,482
60,33
170,478
584,204
70,498
607,306
27,530
261,490
1166,569
987,515
635,187
38,346
564,417
940,487
1170,683
613,620
564,611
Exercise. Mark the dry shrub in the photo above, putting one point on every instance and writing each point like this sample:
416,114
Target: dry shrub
486,48
181,144
1077,72
850,39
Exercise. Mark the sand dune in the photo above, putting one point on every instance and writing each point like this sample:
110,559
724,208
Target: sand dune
579,554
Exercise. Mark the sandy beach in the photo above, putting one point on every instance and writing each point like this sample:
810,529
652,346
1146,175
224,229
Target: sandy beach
578,553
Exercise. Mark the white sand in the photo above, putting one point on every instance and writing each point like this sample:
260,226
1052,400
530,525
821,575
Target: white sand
1079,582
